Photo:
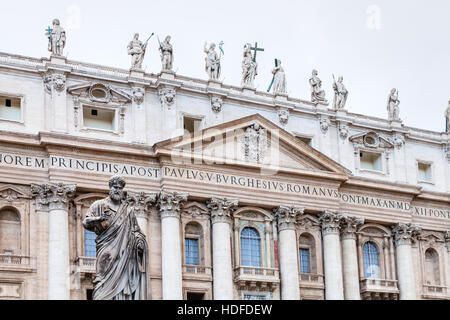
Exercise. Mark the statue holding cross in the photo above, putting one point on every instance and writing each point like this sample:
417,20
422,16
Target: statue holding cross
249,65
56,38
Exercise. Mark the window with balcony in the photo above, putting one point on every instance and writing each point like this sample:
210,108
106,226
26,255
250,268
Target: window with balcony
305,266
10,108
250,248
424,172
194,259
90,249
10,232
99,118
371,261
191,248
307,254
370,161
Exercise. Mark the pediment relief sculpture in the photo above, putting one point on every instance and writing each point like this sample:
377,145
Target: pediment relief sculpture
255,143
11,193
371,140
99,93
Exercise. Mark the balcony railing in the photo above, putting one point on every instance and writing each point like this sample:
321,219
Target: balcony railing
255,272
376,289
251,277
201,270
86,264
16,262
434,290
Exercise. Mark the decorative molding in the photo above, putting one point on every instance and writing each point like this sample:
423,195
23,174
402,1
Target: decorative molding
141,201
343,130
371,140
167,96
170,203
55,195
138,95
12,193
308,222
254,143
222,209
398,140
216,103
86,91
287,216
324,124
53,80
405,233
349,225
194,210
283,116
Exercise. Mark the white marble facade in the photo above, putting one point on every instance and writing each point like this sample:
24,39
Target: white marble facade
145,111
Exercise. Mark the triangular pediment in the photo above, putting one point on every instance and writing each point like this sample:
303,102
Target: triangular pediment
253,142
371,139
12,193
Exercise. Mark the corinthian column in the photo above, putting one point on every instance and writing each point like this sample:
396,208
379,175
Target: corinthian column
404,234
332,255
172,278
349,225
142,203
286,218
221,213
57,196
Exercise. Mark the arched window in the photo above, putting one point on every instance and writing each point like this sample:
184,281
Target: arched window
307,254
90,249
432,275
193,244
10,232
371,261
250,248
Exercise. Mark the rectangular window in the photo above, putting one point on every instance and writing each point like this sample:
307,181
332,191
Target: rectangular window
191,124
99,118
195,296
10,108
90,249
191,248
304,261
424,170
370,161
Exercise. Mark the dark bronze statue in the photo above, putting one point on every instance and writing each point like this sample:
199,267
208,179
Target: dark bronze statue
121,269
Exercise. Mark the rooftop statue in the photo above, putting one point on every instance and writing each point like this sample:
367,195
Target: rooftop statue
392,106
340,94
447,118
249,67
212,62
136,49
317,93
56,38
279,79
166,52
121,268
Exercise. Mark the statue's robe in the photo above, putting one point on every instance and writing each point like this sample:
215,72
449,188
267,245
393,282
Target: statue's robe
249,68
317,93
121,270
279,82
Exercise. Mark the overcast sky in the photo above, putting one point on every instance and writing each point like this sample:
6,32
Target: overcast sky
375,45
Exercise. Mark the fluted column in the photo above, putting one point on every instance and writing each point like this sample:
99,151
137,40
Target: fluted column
404,234
332,256
349,226
169,204
286,217
221,214
57,196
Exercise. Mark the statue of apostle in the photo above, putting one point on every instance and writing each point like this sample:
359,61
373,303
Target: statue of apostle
279,78
56,38
212,62
121,269
392,106
340,94
249,67
317,93
137,51
166,52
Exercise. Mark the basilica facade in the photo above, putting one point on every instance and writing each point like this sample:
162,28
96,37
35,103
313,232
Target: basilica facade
241,194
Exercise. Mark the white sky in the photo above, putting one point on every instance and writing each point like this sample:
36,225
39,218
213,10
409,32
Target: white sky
406,46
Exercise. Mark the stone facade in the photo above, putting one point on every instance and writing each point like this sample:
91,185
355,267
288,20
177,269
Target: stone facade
360,183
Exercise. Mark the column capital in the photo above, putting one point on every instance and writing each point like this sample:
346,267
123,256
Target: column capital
141,201
349,225
169,203
54,195
405,233
330,222
447,239
222,209
287,216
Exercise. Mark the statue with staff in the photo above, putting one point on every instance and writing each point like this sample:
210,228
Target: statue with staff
212,60
166,52
56,38
122,250
340,93
447,118
136,49
279,79
249,65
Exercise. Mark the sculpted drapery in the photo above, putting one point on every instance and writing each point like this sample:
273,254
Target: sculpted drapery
121,269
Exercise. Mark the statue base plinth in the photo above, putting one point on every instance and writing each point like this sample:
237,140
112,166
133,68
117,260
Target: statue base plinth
341,112
56,59
280,96
136,73
396,123
321,105
248,90
214,83
167,74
